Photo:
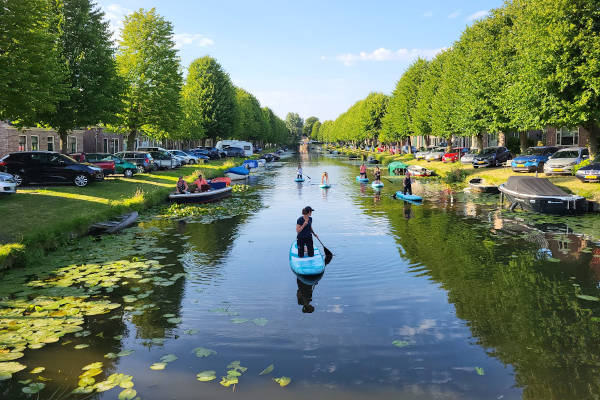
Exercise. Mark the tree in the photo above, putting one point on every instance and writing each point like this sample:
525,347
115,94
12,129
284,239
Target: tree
308,125
314,132
94,89
444,113
31,77
250,123
294,124
148,62
208,100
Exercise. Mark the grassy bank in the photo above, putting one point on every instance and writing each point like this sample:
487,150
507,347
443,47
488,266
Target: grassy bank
496,176
38,219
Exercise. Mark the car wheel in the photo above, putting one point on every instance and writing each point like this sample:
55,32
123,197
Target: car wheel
140,169
81,180
475,166
18,179
540,167
128,173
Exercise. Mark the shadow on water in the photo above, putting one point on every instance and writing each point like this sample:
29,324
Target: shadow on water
304,294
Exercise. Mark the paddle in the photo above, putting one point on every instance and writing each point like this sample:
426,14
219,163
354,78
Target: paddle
308,177
328,254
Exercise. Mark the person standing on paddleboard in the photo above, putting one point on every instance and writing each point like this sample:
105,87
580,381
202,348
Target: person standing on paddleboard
407,184
363,171
299,172
304,232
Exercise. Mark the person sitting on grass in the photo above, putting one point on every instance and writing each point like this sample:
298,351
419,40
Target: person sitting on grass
182,186
201,184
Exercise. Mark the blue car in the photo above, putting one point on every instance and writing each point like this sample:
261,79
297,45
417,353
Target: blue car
534,159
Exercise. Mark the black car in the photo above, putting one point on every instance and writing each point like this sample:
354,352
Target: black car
49,167
211,152
235,152
590,173
491,157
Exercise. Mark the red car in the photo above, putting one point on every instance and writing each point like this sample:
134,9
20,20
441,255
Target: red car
454,154
108,167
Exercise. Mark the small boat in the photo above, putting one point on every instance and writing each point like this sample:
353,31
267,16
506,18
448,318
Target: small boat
409,197
540,195
115,225
306,265
221,179
237,173
262,162
325,186
479,185
417,170
299,180
377,185
202,197
250,164
372,160
362,180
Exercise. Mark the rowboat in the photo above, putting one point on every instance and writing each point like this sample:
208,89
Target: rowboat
115,225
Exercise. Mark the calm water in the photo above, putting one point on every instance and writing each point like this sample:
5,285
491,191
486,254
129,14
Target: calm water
481,303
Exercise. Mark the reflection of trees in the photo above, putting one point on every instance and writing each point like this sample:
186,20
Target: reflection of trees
523,311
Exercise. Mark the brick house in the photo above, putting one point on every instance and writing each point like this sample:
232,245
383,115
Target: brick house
578,136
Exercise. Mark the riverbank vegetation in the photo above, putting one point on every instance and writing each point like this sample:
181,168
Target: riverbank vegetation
528,65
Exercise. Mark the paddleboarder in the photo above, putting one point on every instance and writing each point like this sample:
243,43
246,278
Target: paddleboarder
324,179
377,174
363,171
304,233
299,172
407,184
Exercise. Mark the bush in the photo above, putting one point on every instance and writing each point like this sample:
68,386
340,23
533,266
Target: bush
582,164
455,175
406,157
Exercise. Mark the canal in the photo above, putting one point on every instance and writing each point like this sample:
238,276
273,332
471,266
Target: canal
453,299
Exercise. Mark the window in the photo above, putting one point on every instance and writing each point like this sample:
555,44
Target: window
35,142
50,143
72,146
105,145
567,137
22,143
115,146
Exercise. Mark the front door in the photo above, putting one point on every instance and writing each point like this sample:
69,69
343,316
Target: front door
55,169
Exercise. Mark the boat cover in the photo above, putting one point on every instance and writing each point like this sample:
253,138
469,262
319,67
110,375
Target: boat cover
533,186
396,165
217,185
238,170
251,163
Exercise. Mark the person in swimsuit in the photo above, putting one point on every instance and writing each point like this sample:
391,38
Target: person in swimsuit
324,179
182,186
363,171
377,174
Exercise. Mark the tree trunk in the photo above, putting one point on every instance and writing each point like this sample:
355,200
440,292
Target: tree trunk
63,142
501,139
479,141
523,141
131,140
594,131
409,145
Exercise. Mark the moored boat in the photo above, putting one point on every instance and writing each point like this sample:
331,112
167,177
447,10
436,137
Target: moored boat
237,173
202,197
114,226
480,185
417,170
540,195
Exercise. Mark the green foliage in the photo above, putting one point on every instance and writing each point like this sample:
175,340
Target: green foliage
294,125
582,164
148,62
250,123
31,76
308,126
208,101
455,175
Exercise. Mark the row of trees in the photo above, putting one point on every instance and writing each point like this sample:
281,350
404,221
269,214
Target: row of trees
528,65
59,68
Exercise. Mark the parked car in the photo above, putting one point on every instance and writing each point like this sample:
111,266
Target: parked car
235,152
141,159
200,154
163,159
212,152
405,149
533,159
469,156
563,161
423,151
491,157
185,158
49,167
7,183
108,166
590,173
454,154
121,166
436,154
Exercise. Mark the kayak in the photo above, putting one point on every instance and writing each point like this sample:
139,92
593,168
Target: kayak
299,180
325,186
377,185
409,197
362,180
306,265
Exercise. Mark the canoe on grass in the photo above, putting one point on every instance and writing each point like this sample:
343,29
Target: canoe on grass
306,265
362,180
114,226
409,197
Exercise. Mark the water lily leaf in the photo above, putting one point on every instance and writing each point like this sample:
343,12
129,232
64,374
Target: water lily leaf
9,356
267,370
479,371
11,367
25,382
168,315
260,321
118,337
5,376
206,376
552,259
400,343
586,297
239,320
168,358
174,320
233,373
37,370
190,331
86,381
93,365
110,355
203,352
127,394
33,388
228,381
158,340
283,381
158,366
125,353
81,346
83,390
91,372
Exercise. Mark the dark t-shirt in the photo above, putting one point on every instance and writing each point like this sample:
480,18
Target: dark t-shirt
306,232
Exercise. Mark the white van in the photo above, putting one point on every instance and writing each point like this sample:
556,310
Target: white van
246,146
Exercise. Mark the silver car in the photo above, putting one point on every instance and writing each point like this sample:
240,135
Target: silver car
563,161
436,154
185,158
421,154
468,157
7,183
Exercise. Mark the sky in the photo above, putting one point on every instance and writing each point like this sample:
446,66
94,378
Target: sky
316,58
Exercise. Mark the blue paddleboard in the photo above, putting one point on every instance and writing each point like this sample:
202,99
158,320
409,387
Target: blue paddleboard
306,265
362,180
325,186
409,197
377,185
299,180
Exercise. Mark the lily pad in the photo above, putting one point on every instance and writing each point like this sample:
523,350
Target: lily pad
203,352
228,381
267,370
37,370
159,366
11,367
206,376
283,381
33,388
168,358
239,320
86,381
400,343
586,297
94,365
127,394
9,356
174,320
81,346
190,331
260,321
479,371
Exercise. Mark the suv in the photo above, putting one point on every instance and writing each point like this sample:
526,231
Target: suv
49,167
211,152
141,159
164,159
121,166
108,166
491,157
235,152
534,159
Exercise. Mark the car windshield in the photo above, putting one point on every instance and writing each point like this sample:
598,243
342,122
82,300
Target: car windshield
535,151
62,157
566,154
487,151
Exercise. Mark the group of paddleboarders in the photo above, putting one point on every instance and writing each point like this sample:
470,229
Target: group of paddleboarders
201,185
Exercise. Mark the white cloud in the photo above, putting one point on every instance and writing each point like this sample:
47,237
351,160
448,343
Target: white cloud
191,39
478,15
455,14
383,54
115,13
428,14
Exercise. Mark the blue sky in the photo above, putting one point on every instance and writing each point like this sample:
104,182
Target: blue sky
311,57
